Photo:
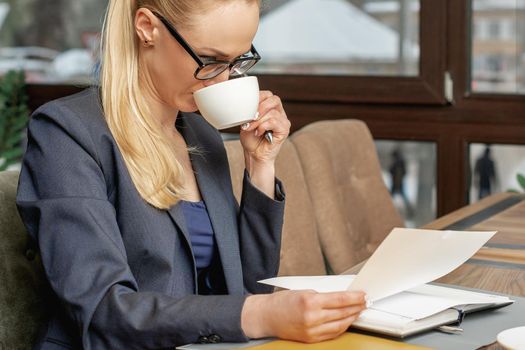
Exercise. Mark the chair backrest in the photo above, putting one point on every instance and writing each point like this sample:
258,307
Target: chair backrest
22,280
353,207
300,251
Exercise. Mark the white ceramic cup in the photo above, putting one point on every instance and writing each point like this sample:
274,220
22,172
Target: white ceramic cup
512,339
230,103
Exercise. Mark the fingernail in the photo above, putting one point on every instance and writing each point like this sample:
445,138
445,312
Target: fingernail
368,301
256,133
256,116
245,126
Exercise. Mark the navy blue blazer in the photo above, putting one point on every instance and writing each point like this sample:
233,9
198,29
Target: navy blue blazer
122,272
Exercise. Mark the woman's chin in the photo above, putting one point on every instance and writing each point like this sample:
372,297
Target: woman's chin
189,107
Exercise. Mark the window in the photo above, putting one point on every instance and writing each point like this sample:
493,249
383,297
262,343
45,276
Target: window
494,29
508,29
365,51
54,41
339,37
460,94
501,47
494,168
409,172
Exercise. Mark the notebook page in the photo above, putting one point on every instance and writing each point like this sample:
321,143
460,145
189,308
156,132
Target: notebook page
426,300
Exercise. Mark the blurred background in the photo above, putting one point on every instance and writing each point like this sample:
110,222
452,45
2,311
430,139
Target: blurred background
440,83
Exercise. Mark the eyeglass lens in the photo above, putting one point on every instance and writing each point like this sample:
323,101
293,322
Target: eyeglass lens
212,70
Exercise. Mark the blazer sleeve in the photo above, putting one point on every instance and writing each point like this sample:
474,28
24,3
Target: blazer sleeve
62,199
260,228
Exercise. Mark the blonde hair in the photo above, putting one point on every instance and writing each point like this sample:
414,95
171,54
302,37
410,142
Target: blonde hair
147,152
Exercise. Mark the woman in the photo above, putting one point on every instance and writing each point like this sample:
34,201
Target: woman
128,195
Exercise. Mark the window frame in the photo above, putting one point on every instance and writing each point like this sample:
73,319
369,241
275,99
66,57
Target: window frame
426,88
404,109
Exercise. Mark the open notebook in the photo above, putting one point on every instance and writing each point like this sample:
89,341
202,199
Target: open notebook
409,312
394,280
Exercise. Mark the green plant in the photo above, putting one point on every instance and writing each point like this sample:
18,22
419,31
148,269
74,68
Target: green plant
521,181
14,115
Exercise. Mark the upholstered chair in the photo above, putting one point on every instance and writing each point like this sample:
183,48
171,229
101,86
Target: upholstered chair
353,208
22,283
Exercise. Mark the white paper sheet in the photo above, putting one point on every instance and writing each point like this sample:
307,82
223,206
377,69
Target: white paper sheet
407,258
414,304
411,257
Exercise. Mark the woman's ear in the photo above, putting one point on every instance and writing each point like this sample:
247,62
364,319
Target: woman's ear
146,26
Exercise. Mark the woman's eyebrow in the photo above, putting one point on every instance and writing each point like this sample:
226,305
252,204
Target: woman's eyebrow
217,52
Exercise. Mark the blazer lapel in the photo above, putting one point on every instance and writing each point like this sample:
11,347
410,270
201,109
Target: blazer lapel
219,209
177,216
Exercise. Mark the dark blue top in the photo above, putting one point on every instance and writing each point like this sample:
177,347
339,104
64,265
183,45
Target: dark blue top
202,240
201,232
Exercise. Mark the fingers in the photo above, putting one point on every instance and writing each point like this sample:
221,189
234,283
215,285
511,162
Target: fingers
331,315
340,305
271,102
341,299
321,308
267,102
264,94
268,122
329,330
273,120
310,317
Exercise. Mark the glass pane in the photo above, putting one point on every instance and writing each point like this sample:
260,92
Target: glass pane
494,168
339,37
498,46
54,41
409,171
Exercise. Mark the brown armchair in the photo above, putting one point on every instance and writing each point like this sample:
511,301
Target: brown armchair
353,208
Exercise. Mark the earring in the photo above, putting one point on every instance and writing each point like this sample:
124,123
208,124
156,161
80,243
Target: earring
147,43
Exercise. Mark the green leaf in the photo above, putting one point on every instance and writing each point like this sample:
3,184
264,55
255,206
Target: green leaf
14,153
521,181
13,140
7,164
14,115
20,123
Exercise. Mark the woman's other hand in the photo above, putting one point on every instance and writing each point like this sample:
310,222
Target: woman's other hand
305,316
271,117
259,153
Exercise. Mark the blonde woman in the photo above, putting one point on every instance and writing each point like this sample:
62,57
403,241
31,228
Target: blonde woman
128,195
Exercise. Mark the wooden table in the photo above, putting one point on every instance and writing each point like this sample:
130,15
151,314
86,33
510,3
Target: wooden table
499,266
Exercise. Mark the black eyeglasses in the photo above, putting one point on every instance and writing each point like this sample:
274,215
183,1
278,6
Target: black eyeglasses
209,67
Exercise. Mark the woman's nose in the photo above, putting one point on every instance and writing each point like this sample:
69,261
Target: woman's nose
218,79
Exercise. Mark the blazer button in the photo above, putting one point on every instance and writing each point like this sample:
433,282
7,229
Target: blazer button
203,339
30,254
214,338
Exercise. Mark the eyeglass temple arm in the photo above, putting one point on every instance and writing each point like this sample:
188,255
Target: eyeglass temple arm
180,39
